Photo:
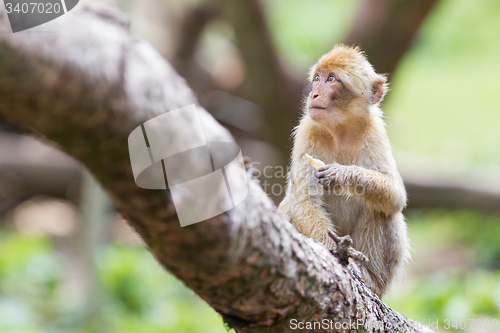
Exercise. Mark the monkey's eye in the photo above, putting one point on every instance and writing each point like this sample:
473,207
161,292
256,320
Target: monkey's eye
316,78
331,78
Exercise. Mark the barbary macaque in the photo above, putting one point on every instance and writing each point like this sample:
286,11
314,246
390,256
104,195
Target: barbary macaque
359,192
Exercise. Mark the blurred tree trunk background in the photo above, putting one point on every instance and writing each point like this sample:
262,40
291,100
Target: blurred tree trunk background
250,89
227,53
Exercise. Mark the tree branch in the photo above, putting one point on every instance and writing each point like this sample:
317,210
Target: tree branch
183,58
384,29
269,82
192,27
86,86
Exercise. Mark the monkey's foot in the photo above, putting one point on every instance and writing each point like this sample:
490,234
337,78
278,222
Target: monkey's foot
344,249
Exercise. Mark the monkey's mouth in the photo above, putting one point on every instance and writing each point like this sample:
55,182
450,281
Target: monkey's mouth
317,112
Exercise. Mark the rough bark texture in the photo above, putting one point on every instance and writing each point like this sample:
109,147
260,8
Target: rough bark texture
86,86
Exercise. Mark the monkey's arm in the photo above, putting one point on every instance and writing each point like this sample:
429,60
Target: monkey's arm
382,191
303,207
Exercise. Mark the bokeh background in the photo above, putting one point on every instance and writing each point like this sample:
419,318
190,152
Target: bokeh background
69,262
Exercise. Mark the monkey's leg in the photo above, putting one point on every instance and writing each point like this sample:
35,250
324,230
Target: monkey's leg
303,205
309,217
384,241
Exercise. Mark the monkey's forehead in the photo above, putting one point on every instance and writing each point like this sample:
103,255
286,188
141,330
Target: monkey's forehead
342,60
341,57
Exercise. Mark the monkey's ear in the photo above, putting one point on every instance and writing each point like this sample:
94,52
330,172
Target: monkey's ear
378,90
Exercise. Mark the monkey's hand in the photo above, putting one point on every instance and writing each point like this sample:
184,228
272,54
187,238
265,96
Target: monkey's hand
382,191
331,175
344,249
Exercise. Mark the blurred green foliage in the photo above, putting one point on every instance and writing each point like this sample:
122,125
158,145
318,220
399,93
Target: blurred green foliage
444,93
137,295
141,296
303,30
467,290
456,296
437,228
444,99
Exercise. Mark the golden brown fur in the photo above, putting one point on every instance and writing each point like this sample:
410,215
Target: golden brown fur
364,193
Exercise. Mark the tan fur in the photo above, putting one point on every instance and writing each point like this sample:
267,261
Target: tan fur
353,142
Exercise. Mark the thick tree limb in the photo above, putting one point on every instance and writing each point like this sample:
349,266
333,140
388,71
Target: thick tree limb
269,82
183,58
384,29
192,27
86,86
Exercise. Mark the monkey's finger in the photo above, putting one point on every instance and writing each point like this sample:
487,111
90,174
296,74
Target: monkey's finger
323,181
333,236
356,255
327,185
332,166
323,174
323,168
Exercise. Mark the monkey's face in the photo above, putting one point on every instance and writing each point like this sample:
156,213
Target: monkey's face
328,97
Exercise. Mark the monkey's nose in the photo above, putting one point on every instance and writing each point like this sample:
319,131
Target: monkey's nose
315,95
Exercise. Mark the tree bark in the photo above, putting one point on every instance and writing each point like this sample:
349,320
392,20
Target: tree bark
85,84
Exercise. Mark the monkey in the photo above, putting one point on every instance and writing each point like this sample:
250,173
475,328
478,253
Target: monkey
359,192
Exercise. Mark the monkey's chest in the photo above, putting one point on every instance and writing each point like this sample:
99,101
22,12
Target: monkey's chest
346,213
